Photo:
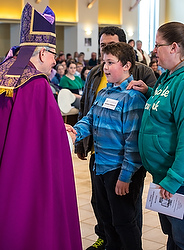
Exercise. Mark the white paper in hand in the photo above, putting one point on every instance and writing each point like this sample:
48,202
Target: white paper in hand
173,207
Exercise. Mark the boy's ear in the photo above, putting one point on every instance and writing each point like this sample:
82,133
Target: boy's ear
128,65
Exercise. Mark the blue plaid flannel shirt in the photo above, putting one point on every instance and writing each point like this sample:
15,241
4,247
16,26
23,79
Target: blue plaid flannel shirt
115,129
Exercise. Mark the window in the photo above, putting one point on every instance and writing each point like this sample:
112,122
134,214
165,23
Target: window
148,23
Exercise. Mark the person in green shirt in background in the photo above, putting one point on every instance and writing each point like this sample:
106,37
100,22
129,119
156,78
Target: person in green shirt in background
70,81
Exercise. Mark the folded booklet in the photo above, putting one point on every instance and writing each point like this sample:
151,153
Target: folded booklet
173,207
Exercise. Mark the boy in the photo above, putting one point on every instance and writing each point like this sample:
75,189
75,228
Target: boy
114,121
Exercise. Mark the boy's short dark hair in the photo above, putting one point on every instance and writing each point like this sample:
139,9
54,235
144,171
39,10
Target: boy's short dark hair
123,51
113,30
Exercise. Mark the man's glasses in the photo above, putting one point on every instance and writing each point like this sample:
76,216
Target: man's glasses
52,52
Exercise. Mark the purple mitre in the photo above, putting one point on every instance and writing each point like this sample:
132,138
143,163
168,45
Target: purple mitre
49,15
37,29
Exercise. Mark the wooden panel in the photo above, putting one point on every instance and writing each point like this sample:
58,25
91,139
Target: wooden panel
4,39
109,12
65,10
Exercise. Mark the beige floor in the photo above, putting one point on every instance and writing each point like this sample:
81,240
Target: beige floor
153,238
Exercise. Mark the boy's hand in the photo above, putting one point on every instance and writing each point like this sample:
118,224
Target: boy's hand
69,128
71,131
122,188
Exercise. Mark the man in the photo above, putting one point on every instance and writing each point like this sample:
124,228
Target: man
81,58
38,208
142,55
79,67
60,58
92,61
96,80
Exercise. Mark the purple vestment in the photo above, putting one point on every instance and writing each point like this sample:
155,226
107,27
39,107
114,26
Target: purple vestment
38,207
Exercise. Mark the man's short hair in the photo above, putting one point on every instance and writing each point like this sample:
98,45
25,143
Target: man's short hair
113,30
38,48
138,41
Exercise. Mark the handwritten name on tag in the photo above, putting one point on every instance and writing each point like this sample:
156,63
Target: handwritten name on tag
110,103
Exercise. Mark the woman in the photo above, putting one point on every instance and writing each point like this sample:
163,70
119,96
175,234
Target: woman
75,56
60,71
161,138
154,67
63,63
72,82
84,74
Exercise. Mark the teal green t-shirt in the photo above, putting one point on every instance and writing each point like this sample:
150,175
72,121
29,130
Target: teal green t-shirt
73,85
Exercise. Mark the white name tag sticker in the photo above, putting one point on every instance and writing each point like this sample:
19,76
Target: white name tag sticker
110,104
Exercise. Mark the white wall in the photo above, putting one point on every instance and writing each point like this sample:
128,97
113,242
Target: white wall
88,19
130,19
74,36
70,39
81,39
175,10
162,14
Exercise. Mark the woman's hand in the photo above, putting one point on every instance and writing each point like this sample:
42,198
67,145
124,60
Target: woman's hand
138,85
165,194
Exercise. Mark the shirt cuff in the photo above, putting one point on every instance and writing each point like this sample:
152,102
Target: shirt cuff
125,176
172,182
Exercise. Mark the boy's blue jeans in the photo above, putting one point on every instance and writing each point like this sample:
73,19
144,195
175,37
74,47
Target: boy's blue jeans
118,213
174,228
